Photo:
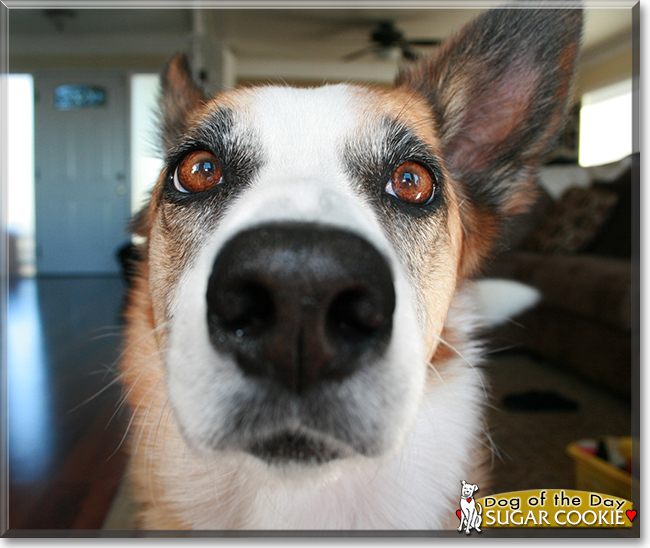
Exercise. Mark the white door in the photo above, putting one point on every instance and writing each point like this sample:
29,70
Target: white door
81,162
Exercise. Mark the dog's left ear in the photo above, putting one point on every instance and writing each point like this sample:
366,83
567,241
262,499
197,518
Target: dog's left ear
499,93
179,97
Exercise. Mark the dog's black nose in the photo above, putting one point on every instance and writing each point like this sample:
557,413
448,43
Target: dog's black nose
300,303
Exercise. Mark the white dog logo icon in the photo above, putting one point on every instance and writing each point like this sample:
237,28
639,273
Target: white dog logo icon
470,511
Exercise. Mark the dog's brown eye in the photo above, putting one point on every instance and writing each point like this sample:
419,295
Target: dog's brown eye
412,183
197,172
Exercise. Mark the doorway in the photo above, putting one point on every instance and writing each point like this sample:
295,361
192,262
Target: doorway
82,198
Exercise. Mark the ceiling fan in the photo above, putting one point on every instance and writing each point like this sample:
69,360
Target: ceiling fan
388,42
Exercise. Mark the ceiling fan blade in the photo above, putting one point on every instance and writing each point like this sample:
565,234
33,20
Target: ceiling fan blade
356,54
425,42
388,41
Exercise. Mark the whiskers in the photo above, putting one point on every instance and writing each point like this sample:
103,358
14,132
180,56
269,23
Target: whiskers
107,331
95,395
142,364
465,360
433,368
484,438
152,392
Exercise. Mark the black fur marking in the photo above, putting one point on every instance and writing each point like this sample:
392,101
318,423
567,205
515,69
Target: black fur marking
418,231
238,153
287,446
372,159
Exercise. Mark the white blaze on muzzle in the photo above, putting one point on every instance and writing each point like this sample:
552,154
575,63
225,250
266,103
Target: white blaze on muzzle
302,183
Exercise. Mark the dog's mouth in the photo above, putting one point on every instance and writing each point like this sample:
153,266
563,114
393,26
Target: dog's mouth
287,447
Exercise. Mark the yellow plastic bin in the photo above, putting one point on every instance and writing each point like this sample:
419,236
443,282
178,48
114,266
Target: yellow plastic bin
599,476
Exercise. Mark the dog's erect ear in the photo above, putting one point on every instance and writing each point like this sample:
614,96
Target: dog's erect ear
179,97
463,482
499,92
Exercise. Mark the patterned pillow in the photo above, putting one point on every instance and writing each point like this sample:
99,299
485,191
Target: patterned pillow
574,221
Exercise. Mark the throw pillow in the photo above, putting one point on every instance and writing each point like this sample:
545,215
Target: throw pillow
574,220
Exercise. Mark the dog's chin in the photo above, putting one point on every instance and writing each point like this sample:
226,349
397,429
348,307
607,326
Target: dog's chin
297,448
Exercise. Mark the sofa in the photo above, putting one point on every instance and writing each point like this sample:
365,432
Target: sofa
577,249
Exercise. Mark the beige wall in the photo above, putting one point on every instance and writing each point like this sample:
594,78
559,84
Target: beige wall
608,71
131,63
594,72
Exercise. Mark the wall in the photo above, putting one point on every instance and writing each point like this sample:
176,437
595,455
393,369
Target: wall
606,64
608,71
129,63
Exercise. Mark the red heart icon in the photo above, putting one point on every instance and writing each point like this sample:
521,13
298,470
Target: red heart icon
631,514
469,499
458,513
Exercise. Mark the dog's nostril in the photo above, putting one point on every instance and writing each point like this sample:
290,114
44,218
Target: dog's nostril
242,310
357,314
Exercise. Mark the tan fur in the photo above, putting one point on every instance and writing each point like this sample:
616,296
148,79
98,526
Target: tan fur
144,372
412,109
155,434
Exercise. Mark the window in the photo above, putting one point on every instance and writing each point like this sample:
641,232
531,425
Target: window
606,124
145,159
20,169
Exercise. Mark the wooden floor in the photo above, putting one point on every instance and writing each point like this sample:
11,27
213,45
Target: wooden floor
65,459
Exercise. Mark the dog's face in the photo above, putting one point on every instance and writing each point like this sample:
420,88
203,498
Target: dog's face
309,224
304,246
468,489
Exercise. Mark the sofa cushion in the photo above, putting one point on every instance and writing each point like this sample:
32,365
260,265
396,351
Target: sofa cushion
615,236
520,227
574,221
596,287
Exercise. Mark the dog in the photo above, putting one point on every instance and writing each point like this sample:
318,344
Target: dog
300,349
470,510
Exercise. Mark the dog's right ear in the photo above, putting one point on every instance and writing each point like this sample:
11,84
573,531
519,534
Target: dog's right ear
179,97
499,92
